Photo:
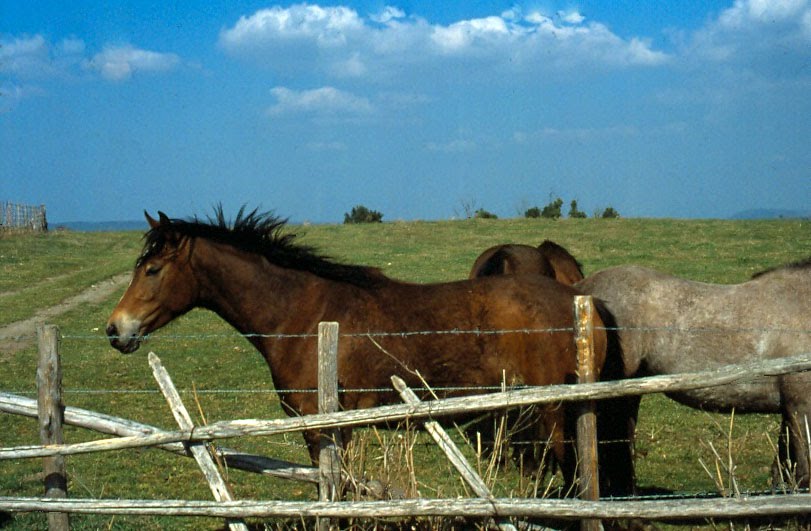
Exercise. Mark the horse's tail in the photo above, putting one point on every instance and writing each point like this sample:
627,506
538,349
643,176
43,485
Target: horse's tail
614,368
616,418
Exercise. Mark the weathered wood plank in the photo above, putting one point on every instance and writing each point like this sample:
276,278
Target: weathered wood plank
450,450
329,461
569,509
50,407
219,488
445,443
111,425
587,470
448,406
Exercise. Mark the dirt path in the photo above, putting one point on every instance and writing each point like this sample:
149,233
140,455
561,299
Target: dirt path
20,334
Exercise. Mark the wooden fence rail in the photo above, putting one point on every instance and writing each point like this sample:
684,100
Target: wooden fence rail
433,408
568,509
102,423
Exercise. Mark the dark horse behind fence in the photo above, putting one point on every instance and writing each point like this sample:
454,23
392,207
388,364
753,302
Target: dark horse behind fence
670,325
262,281
614,427
548,259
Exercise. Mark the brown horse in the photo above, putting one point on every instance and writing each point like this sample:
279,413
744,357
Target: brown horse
548,259
670,325
264,283
614,426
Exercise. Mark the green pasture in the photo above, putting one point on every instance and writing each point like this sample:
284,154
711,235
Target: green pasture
223,378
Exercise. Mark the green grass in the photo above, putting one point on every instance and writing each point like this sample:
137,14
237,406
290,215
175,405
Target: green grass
200,351
39,270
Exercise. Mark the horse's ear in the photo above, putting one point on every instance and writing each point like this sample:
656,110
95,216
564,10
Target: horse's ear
153,223
164,218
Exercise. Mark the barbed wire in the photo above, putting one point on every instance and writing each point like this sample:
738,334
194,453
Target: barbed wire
453,331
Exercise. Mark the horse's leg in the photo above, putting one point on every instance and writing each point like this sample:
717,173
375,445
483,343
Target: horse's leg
616,426
797,422
312,439
561,442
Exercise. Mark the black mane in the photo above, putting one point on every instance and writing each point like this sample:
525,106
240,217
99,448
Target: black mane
263,234
801,264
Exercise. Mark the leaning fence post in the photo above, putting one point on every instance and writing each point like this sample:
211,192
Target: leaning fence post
219,488
50,411
329,462
589,488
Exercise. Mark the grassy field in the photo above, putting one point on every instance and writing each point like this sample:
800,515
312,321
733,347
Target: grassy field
202,353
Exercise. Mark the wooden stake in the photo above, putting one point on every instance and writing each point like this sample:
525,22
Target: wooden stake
50,411
329,461
219,488
587,419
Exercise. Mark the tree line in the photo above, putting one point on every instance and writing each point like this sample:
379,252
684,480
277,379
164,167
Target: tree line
552,210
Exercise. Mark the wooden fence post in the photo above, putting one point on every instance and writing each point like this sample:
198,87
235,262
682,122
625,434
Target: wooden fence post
329,461
50,412
589,487
219,488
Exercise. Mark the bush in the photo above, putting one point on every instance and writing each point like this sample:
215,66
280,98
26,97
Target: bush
361,214
575,212
552,210
610,213
533,212
483,214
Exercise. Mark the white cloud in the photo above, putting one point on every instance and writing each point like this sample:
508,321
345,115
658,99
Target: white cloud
71,46
758,32
13,94
339,41
746,12
571,17
119,63
28,56
35,57
327,26
388,15
324,100
461,36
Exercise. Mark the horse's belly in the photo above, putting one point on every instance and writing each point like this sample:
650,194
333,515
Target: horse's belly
762,396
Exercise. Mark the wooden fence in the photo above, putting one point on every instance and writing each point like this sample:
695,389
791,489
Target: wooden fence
190,440
14,216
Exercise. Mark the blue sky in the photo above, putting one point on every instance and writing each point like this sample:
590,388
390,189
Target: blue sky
417,109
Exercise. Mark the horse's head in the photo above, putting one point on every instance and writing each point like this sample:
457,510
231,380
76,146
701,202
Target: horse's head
566,269
162,287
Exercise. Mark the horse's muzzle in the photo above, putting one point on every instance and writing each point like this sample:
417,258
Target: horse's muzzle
125,344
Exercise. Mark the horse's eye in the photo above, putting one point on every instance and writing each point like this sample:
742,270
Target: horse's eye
152,270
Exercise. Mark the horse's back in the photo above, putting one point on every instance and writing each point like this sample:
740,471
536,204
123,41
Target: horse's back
510,259
671,325
470,332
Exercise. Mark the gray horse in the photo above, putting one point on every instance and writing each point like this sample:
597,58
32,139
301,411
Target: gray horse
670,325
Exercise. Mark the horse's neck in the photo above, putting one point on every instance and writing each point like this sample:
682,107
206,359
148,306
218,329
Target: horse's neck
255,297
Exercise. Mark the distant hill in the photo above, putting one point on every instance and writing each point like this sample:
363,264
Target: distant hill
99,226
770,213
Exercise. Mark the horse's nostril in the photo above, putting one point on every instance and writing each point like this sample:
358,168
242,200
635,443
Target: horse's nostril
112,331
